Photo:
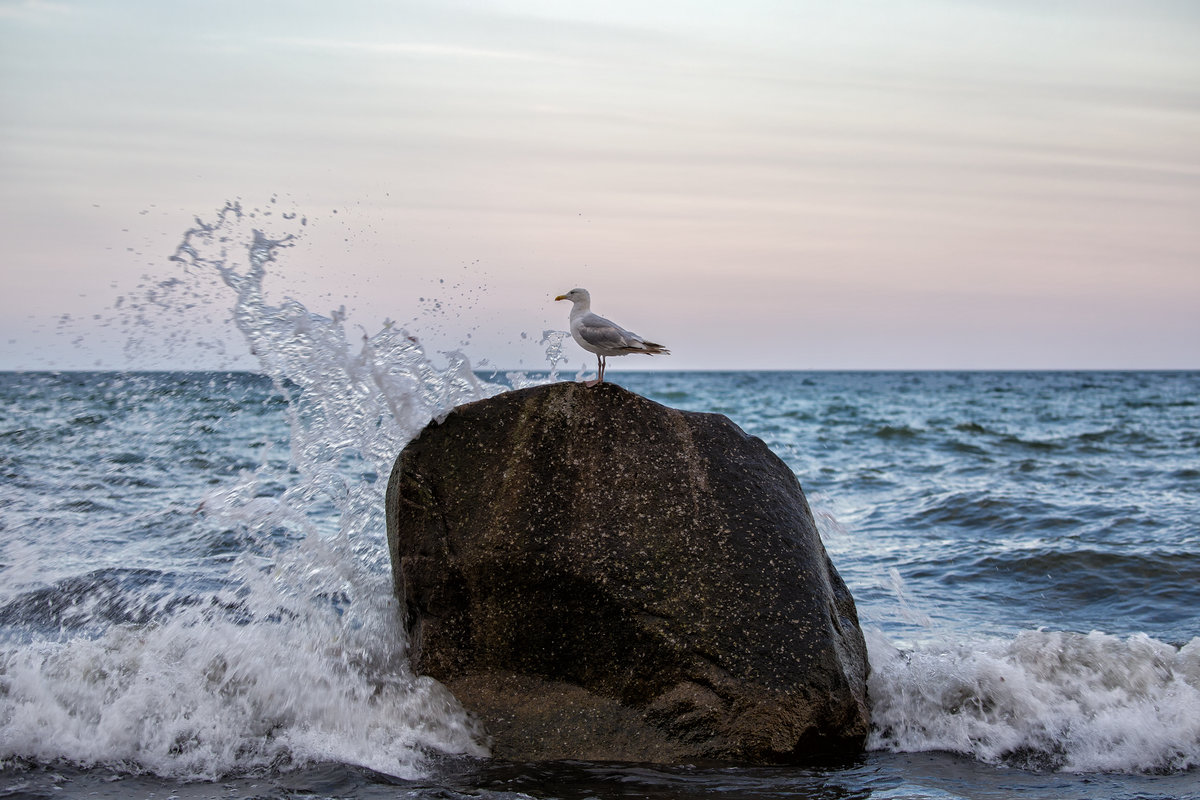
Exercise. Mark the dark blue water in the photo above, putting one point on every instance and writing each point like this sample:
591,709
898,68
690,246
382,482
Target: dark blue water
186,597
196,599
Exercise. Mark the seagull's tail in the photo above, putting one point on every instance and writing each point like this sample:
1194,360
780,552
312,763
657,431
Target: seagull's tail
652,349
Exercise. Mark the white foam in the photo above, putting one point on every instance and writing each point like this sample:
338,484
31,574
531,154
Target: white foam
1079,703
204,698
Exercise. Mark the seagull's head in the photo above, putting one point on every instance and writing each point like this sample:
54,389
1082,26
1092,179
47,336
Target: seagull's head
576,295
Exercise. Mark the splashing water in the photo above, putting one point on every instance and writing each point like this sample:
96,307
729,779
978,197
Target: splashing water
1044,700
299,656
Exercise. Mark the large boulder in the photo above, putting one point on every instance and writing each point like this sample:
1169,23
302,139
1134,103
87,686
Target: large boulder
600,577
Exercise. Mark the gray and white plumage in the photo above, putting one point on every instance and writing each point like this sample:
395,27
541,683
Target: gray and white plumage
603,336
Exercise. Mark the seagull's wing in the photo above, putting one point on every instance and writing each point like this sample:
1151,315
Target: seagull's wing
604,333
611,339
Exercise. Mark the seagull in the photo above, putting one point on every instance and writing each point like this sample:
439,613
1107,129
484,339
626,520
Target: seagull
602,336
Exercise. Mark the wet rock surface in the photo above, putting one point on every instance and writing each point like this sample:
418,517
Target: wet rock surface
597,576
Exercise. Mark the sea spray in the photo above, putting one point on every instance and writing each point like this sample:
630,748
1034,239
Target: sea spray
298,656
350,410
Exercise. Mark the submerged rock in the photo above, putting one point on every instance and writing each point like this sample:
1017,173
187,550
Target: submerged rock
600,577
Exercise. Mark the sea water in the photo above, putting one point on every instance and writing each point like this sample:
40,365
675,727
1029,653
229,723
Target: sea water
196,598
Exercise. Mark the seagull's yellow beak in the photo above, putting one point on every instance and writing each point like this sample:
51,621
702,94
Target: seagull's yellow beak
561,297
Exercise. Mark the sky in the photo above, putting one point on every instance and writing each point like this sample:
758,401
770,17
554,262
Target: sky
870,184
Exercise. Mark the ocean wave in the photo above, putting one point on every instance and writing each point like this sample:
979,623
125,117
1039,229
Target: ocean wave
1081,563
1098,440
983,510
96,600
1035,445
901,432
199,698
1041,700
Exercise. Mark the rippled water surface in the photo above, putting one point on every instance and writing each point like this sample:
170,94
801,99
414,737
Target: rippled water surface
186,597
